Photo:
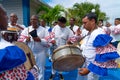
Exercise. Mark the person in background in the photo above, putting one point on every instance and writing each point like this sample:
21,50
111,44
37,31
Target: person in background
115,32
54,23
73,27
13,22
34,36
12,58
13,26
43,24
107,28
100,55
100,23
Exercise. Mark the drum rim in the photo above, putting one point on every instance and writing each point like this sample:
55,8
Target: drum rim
30,51
62,47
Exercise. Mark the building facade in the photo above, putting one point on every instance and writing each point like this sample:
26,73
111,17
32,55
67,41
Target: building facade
23,8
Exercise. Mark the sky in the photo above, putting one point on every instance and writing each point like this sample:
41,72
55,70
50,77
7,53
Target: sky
110,7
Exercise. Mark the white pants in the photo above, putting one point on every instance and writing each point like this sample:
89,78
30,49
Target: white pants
40,61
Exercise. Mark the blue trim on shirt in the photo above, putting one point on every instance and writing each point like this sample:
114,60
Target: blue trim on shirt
98,70
102,40
12,57
106,56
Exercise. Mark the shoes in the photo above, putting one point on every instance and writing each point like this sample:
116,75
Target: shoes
61,76
56,76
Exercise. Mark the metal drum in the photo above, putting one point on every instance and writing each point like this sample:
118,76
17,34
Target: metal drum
67,58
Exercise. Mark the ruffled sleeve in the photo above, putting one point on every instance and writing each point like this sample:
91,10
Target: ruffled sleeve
105,55
102,40
11,57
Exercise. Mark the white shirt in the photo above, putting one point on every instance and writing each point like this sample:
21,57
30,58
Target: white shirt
23,26
75,28
62,35
115,32
36,46
87,47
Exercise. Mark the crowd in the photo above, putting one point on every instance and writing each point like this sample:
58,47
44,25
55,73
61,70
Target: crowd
97,41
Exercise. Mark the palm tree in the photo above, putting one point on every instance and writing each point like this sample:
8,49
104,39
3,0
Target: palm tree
50,14
79,10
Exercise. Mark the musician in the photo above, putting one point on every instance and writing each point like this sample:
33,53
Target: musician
12,58
33,36
99,53
59,36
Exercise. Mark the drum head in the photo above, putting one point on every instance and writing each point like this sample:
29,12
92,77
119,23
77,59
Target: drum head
68,62
29,55
67,58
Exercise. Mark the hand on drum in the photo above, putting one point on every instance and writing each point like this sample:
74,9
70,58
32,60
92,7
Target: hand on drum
37,39
53,42
83,71
69,41
28,39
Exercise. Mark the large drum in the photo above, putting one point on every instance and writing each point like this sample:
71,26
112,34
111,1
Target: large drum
67,58
30,64
29,55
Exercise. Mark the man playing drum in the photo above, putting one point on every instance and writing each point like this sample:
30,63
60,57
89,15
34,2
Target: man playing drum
12,58
59,35
100,54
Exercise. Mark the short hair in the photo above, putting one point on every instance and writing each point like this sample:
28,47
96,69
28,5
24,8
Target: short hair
72,18
62,20
91,16
101,20
117,19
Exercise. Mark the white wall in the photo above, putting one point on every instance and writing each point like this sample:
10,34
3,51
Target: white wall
14,6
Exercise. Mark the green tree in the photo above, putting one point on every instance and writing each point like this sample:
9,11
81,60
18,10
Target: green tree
80,9
50,14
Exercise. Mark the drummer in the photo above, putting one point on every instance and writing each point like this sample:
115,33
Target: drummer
12,58
60,34
99,53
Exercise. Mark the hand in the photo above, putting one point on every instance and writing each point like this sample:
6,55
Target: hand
37,39
78,32
83,71
69,42
28,39
53,42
